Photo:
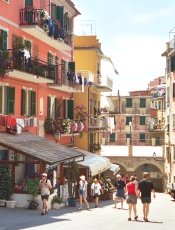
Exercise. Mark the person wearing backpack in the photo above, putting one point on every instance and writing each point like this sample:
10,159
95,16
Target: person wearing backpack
45,186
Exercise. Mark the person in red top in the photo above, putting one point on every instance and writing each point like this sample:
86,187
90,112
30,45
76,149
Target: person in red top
132,197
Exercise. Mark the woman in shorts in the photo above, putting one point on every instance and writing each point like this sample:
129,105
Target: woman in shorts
132,197
96,191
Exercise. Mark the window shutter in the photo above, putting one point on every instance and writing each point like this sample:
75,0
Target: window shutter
33,103
23,102
60,14
1,99
3,44
65,108
28,2
112,137
49,58
10,100
70,110
53,11
71,66
28,44
48,107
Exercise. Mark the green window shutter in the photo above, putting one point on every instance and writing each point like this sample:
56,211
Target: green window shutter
3,40
71,66
1,99
53,11
128,102
128,119
142,120
28,44
28,2
10,100
65,108
23,102
112,137
49,58
33,103
48,106
142,137
142,102
70,110
60,14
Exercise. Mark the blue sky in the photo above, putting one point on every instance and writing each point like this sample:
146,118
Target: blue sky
133,33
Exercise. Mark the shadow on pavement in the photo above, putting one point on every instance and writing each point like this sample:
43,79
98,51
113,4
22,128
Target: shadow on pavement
19,218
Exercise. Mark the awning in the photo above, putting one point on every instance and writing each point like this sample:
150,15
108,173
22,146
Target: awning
96,164
114,168
39,148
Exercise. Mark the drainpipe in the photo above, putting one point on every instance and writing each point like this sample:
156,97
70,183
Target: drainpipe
89,86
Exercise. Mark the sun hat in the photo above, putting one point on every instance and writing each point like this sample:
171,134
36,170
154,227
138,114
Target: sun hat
82,177
44,174
95,180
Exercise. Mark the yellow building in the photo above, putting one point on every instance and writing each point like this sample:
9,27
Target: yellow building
88,56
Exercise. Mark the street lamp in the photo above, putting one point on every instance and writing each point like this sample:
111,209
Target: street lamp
130,125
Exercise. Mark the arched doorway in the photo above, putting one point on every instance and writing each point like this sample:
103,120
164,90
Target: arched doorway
155,175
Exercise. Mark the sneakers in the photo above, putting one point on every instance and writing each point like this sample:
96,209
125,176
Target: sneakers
42,213
46,211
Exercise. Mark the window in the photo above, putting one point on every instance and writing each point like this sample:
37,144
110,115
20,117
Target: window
112,137
69,109
142,137
128,119
28,102
7,100
3,39
142,120
29,3
142,102
157,141
128,102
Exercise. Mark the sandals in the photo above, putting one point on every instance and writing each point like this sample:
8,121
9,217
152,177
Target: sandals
129,219
136,217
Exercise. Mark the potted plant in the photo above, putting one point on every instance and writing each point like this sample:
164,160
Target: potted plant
56,202
6,187
32,188
72,174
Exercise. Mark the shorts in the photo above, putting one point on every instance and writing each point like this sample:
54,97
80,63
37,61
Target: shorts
44,197
131,199
146,200
95,195
120,193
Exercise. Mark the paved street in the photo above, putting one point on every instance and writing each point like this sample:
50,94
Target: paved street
161,217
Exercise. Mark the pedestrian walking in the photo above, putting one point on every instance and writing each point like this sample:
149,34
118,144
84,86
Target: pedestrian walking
45,186
83,191
131,198
120,190
145,188
96,191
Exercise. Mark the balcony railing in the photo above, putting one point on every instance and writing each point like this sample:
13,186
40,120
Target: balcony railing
15,59
104,81
41,18
97,123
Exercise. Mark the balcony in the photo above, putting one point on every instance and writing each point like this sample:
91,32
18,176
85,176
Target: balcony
35,70
103,83
38,23
96,123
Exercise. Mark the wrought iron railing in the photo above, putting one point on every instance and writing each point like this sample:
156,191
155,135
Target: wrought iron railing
41,18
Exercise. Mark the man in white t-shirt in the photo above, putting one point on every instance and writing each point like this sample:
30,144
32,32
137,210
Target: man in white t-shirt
45,186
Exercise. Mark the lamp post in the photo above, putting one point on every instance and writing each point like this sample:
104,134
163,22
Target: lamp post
130,125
